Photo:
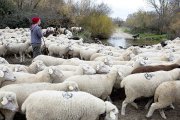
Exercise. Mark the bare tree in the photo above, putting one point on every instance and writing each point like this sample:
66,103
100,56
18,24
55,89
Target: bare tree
162,9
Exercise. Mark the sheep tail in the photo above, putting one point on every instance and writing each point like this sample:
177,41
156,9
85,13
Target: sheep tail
156,96
122,84
23,108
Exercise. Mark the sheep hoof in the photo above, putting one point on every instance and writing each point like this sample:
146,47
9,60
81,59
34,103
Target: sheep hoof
162,114
172,107
122,113
148,116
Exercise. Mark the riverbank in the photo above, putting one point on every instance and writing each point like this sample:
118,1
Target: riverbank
123,38
119,33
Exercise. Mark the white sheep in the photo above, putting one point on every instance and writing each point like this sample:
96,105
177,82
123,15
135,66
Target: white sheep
6,75
19,48
8,101
49,74
86,53
49,60
3,49
95,55
101,68
81,70
128,55
76,29
98,85
34,68
125,70
22,91
59,49
67,67
67,106
3,61
165,94
145,84
74,52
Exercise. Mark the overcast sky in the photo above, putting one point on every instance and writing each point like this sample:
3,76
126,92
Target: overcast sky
121,8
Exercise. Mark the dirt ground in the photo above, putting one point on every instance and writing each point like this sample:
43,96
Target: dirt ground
117,97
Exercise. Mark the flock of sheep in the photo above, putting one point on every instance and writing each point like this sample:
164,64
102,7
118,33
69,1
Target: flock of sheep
75,80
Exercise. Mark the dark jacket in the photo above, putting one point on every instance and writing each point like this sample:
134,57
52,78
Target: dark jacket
36,34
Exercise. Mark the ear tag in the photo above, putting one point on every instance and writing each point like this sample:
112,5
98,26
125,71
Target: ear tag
112,115
50,71
71,88
5,101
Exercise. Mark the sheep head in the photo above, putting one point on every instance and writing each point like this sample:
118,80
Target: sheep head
8,101
111,111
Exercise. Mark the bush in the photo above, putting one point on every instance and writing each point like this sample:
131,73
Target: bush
100,26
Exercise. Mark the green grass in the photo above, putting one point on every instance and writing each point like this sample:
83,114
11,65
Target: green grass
148,36
125,29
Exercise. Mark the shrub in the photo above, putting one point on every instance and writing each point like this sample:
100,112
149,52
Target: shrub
100,26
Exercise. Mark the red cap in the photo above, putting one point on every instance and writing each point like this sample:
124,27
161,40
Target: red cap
35,20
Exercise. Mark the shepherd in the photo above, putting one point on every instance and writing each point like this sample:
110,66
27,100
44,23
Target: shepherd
37,35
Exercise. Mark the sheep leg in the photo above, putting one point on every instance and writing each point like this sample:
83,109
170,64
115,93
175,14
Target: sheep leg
28,55
21,57
134,105
148,104
161,111
172,106
155,106
50,53
124,104
15,56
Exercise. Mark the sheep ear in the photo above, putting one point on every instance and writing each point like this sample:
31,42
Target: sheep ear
112,115
97,67
4,69
142,63
1,73
50,71
120,74
16,69
5,101
71,88
105,60
38,65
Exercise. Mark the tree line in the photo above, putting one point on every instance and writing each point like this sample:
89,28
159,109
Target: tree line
165,19
93,17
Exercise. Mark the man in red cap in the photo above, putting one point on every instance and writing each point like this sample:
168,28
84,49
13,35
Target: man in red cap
36,35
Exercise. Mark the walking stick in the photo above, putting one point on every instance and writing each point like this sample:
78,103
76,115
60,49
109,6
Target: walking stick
45,50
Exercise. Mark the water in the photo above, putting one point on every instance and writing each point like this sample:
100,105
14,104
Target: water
125,43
